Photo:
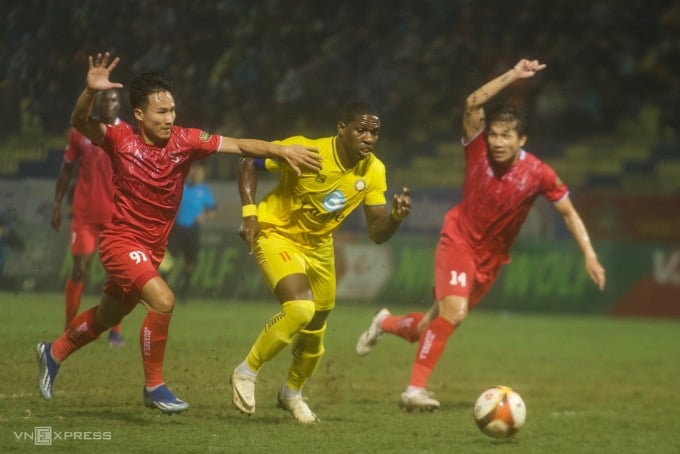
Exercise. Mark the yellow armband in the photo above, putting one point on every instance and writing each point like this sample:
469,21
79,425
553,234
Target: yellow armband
249,210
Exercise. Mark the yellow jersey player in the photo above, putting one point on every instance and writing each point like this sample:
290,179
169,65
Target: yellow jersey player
290,233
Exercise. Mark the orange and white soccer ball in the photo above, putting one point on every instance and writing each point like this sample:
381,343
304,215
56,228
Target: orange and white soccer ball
499,412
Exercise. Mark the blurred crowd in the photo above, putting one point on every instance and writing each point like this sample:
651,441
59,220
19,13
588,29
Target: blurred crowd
273,68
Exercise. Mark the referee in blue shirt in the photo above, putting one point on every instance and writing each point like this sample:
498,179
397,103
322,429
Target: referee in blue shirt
197,205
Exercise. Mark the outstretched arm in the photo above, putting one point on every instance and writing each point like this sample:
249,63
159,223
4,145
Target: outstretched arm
578,231
97,80
382,224
297,156
247,187
473,116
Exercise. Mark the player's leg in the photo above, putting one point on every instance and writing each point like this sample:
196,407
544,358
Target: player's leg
116,337
455,273
135,270
431,346
190,248
295,314
84,328
404,326
308,348
153,336
83,244
283,268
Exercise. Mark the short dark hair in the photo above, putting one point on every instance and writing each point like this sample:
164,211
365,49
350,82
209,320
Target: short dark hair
352,109
506,113
145,84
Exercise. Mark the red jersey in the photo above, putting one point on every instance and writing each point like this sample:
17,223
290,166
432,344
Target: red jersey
93,197
494,206
148,180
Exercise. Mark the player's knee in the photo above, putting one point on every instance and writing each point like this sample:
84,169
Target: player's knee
166,305
164,302
299,311
454,309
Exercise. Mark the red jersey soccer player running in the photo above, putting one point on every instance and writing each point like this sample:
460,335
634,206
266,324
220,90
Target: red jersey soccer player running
92,202
501,183
149,165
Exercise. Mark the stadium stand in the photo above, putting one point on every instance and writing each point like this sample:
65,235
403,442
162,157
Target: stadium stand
601,114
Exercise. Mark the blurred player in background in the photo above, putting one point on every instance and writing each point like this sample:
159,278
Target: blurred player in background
9,239
92,202
197,205
502,180
149,166
291,235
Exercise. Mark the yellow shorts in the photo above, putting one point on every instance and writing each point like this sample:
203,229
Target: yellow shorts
279,257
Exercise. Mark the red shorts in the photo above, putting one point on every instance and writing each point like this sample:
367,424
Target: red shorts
84,238
456,273
129,266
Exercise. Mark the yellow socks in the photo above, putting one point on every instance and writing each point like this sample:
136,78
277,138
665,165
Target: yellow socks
279,331
307,352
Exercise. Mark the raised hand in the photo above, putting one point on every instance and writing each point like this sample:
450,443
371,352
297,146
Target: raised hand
527,68
249,230
401,204
99,71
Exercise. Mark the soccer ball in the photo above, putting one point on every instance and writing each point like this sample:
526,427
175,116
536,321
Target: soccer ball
499,412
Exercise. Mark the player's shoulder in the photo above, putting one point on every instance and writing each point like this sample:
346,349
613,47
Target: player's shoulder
534,166
372,166
478,139
123,124
375,162
120,128
531,159
75,136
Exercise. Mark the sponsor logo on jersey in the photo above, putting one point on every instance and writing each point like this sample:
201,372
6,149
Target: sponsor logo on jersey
334,201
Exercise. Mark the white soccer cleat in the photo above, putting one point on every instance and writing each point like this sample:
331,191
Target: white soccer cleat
419,399
298,407
371,336
243,392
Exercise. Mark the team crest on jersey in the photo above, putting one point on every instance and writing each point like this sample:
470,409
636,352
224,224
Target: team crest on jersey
320,178
522,183
360,185
205,136
334,201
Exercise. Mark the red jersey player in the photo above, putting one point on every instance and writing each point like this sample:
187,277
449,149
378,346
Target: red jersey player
149,165
502,180
92,202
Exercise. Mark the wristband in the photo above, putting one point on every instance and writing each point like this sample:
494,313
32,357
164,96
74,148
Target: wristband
249,210
395,215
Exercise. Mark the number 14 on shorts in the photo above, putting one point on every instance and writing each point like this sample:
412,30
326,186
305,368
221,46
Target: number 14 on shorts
458,278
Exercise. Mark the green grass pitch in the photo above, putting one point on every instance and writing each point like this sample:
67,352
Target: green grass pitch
591,385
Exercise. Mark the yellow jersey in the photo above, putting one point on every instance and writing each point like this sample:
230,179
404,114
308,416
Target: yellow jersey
307,209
